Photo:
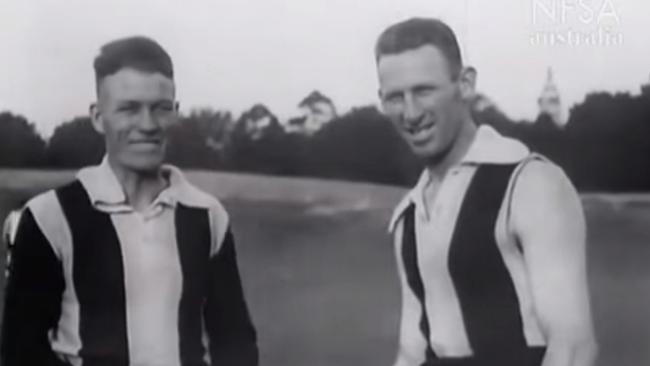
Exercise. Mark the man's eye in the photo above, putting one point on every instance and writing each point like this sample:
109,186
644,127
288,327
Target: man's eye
127,108
164,108
424,91
393,98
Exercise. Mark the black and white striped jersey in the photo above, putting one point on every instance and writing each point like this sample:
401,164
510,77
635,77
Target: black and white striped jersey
465,288
95,283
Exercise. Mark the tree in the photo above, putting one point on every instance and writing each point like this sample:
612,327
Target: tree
609,141
257,144
75,144
603,147
199,139
20,144
362,145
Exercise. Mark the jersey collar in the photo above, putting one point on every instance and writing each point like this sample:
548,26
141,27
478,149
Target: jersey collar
106,192
488,147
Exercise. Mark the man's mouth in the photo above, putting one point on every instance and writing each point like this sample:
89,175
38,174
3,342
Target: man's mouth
420,132
146,142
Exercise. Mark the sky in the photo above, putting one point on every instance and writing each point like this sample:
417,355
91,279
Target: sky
231,54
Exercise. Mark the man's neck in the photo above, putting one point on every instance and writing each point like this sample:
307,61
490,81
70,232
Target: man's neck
438,168
140,188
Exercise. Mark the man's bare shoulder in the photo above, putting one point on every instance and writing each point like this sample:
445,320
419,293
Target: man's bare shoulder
540,180
543,195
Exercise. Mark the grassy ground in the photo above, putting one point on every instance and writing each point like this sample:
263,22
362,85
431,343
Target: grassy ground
320,280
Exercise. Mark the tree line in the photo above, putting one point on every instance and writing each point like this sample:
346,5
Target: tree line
604,146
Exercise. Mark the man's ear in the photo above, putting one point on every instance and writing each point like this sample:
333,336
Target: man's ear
96,118
177,113
467,80
380,95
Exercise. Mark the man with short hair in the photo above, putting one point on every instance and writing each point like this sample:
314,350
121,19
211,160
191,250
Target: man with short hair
129,264
490,243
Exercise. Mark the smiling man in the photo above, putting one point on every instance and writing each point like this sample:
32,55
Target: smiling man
490,243
129,264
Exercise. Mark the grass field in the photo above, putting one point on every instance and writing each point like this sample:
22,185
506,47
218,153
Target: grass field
319,276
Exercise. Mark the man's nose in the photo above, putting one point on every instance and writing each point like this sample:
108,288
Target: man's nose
412,110
147,121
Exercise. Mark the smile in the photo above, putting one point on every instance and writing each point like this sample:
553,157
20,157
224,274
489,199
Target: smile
421,132
146,142
146,145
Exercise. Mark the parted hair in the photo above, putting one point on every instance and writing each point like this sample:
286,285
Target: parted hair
414,33
138,52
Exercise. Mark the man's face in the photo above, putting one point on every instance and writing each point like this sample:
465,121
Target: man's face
422,99
134,112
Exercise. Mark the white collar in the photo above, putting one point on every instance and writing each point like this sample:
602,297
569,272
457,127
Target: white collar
104,188
488,147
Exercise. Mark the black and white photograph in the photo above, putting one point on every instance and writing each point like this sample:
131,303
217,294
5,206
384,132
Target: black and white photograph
325,183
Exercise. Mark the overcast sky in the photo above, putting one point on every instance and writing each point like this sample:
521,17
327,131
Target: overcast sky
230,54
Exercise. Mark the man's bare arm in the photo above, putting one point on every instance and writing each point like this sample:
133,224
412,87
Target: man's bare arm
548,220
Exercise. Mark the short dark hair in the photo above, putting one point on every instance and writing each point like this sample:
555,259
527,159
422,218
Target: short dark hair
414,33
138,52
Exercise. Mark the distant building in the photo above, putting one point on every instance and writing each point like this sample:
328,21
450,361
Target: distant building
645,89
317,110
549,100
257,121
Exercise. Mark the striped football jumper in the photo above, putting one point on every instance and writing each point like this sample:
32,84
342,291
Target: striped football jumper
95,283
466,296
